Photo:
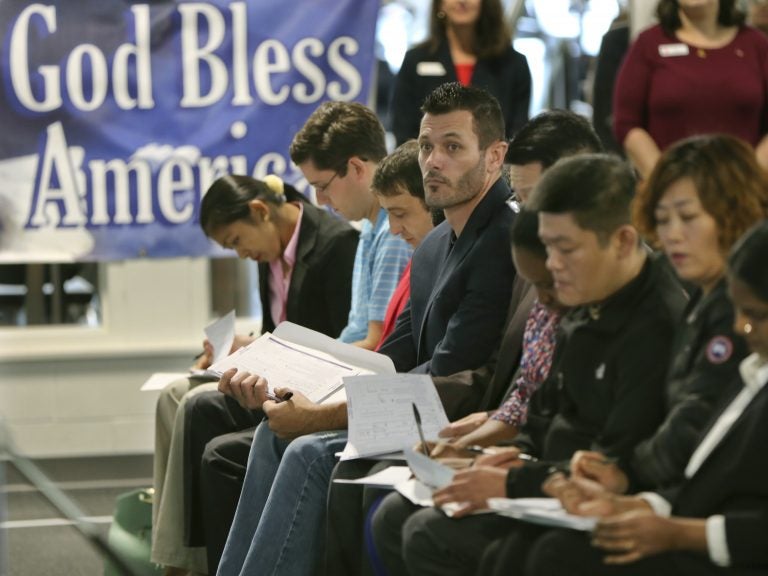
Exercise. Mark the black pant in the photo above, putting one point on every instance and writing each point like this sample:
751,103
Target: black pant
348,506
569,553
217,439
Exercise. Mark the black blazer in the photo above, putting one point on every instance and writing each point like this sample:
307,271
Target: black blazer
507,77
320,292
460,292
733,481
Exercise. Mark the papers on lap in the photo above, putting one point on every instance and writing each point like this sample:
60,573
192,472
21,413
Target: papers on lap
387,478
380,415
545,511
304,361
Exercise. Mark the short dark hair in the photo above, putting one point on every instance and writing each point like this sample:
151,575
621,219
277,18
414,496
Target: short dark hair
336,132
668,14
731,185
525,232
487,119
492,34
227,200
597,189
747,260
550,136
400,170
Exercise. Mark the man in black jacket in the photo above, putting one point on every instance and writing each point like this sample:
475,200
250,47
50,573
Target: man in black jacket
605,387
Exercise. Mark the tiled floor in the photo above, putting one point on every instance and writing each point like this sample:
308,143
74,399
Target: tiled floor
37,542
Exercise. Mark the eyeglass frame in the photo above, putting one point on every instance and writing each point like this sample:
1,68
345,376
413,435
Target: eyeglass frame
321,188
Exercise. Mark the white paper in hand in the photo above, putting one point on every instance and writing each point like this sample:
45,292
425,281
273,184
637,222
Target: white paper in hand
380,413
221,335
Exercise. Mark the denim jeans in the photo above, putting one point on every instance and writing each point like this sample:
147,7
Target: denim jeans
279,527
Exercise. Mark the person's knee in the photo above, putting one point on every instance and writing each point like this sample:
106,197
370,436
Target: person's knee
417,540
171,396
547,555
387,523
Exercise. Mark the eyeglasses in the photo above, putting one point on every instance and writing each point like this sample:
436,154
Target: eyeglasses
321,188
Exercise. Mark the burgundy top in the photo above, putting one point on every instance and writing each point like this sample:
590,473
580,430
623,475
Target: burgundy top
674,90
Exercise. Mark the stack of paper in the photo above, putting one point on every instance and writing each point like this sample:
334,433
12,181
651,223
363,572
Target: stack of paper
304,361
546,511
380,413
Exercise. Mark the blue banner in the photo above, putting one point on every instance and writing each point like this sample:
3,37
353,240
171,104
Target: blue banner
116,116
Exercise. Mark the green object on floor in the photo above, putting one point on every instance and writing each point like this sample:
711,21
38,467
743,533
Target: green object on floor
130,534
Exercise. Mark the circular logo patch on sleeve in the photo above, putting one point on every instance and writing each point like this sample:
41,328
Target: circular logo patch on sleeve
719,349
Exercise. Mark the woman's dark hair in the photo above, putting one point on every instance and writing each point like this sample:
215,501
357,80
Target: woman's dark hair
669,16
749,258
227,200
525,233
492,35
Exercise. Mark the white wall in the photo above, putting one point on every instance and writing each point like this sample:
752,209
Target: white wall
75,390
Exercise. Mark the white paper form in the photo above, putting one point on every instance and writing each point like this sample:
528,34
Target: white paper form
387,478
380,415
372,361
221,335
160,380
545,511
284,364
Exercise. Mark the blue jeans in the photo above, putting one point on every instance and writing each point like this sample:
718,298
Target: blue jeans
279,526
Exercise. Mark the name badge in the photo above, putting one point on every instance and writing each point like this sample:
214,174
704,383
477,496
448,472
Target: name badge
430,69
672,50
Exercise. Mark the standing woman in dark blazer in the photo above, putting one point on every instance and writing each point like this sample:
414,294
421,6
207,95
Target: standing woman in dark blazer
469,42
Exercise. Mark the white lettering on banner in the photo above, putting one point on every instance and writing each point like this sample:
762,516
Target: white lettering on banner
57,163
69,193
19,61
270,58
200,58
52,96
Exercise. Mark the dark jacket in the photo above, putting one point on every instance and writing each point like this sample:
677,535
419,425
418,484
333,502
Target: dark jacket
460,291
506,77
705,363
320,291
605,390
733,481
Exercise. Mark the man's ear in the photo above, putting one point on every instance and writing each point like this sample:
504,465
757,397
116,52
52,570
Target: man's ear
627,240
494,156
358,166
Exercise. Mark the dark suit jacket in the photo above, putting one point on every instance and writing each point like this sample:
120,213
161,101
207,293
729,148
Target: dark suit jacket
507,77
460,291
485,388
320,292
733,481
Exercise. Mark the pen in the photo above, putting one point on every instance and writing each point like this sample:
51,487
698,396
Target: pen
417,417
475,449
275,398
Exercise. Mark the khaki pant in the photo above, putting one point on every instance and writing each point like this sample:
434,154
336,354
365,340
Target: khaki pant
168,547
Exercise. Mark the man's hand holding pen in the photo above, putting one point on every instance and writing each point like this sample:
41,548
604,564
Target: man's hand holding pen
596,466
293,415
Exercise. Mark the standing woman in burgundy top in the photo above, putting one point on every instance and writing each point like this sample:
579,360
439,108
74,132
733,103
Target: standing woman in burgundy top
469,42
699,71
